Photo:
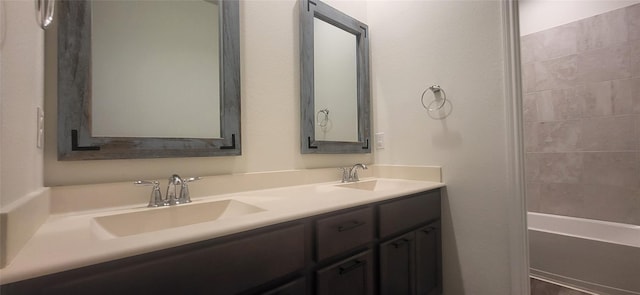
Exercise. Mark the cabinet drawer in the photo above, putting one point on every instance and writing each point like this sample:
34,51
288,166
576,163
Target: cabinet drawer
352,276
297,287
403,214
342,232
227,268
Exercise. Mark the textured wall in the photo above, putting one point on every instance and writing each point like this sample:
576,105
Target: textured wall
582,113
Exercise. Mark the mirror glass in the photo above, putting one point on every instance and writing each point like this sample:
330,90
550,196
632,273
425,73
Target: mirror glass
334,81
155,69
148,79
335,74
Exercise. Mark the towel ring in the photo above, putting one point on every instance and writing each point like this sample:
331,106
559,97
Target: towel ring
322,122
435,89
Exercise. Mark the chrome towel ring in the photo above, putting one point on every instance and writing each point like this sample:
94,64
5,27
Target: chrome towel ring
436,104
322,120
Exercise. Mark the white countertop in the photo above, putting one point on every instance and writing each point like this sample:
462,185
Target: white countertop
71,240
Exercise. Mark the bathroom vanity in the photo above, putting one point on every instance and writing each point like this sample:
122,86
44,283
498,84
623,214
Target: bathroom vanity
382,244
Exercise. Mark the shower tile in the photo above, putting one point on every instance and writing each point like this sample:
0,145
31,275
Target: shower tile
634,58
637,135
607,98
557,73
612,203
562,199
529,111
529,45
528,77
559,136
619,169
611,63
608,134
553,167
555,42
559,104
633,22
530,133
622,96
532,192
531,167
635,95
597,98
602,30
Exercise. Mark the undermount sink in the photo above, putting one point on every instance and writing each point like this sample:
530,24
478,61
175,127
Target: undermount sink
372,185
126,224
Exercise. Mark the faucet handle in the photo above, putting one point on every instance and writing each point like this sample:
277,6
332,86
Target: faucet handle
345,174
191,179
185,197
156,196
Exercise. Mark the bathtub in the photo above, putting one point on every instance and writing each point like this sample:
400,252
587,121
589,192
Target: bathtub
597,256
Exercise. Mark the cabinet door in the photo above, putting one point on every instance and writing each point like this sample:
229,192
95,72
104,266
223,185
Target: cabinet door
428,260
352,276
297,287
397,265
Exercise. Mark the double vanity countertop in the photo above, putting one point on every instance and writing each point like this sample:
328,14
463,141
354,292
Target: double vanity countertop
73,240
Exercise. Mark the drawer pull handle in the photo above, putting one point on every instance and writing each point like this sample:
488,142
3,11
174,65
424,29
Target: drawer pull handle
347,267
350,225
428,230
399,243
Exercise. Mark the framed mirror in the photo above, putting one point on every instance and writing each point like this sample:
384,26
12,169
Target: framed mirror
148,79
335,95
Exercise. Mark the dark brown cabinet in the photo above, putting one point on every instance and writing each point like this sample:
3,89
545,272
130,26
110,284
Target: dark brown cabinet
228,265
352,276
397,275
411,263
297,287
342,232
389,247
429,260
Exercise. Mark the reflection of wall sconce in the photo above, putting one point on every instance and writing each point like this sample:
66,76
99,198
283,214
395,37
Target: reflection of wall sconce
44,12
322,120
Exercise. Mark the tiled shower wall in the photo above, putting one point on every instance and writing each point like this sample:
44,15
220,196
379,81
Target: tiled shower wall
581,86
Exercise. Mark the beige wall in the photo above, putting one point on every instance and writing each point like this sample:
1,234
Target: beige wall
413,44
269,57
21,88
458,45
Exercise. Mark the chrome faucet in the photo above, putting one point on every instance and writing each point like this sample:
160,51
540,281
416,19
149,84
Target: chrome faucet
173,197
156,199
172,189
351,174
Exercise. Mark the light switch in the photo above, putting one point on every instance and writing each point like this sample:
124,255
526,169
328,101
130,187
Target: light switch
40,126
380,140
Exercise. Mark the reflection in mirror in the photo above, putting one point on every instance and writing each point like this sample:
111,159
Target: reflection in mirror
148,79
169,50
335,82
335,116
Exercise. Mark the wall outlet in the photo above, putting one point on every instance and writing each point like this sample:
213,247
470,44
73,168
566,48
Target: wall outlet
380,140
40,128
